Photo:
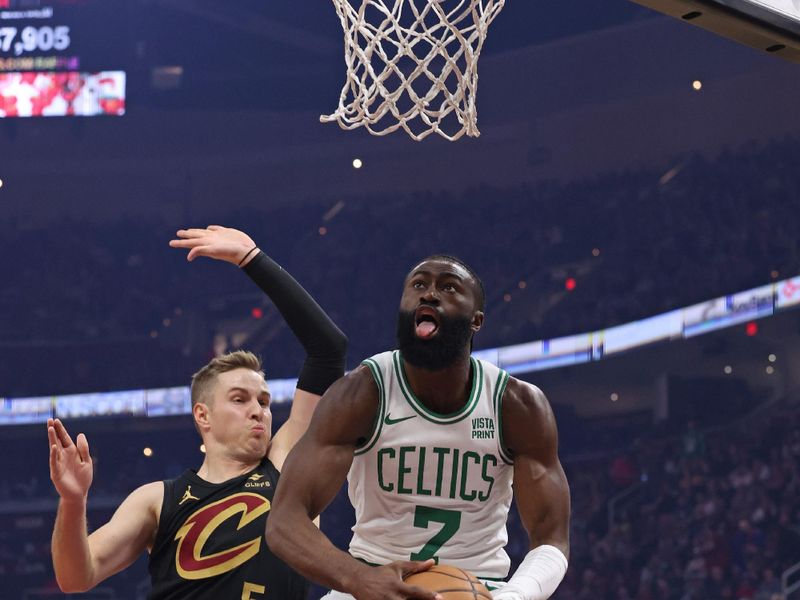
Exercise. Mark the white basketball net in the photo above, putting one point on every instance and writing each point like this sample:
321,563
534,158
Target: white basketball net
412,64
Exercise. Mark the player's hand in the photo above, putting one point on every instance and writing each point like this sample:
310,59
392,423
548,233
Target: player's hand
386,583
70,463
221,243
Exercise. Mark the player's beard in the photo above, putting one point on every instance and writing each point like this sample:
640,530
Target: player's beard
442,350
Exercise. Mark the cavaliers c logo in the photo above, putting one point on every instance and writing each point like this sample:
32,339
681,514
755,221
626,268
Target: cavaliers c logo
189,559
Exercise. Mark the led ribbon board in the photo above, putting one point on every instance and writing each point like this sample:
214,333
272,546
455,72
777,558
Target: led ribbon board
683,323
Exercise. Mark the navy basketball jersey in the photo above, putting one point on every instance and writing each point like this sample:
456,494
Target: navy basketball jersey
210,541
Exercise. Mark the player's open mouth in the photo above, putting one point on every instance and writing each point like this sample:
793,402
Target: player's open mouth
427,322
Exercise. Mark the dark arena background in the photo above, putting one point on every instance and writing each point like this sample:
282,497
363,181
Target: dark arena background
632,205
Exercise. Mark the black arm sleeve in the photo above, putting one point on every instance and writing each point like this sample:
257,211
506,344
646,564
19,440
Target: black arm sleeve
324,343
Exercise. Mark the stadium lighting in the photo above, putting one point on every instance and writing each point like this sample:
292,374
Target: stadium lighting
772,358
728,369
697,85
357,163
770,370
614,397
148,452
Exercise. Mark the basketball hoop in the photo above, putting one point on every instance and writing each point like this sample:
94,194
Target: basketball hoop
412,64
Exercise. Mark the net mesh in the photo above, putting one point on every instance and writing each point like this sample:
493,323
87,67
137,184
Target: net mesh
412,64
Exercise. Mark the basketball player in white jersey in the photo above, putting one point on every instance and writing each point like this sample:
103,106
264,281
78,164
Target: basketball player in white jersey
430,440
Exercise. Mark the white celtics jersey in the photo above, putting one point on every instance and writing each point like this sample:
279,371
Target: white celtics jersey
427,485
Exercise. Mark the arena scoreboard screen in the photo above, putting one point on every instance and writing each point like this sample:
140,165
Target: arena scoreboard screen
62,57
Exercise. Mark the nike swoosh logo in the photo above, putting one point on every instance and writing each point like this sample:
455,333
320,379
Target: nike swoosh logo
390,421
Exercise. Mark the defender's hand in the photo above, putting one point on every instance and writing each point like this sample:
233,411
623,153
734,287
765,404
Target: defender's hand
70,464
386,583
220,243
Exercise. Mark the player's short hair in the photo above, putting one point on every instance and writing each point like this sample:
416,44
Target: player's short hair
481,292
203,381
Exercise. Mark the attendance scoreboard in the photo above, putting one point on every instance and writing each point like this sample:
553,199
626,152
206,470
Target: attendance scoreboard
63,57
63,35
772,26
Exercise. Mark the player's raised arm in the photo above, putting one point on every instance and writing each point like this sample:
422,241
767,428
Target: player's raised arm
541,491
324,343
312,475
80,560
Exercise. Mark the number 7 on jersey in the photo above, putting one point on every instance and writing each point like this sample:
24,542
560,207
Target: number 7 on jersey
423,516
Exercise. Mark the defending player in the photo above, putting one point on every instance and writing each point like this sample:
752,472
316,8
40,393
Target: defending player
204,529
430,440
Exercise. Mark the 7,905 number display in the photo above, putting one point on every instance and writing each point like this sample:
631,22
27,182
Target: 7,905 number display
33,39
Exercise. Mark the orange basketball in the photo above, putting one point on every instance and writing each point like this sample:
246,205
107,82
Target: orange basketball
451,582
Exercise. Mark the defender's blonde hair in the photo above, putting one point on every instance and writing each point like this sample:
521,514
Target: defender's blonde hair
203,381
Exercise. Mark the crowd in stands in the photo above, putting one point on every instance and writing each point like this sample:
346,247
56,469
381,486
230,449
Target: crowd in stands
113,306
716,517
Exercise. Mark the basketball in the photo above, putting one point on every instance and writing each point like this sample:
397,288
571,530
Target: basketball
451,582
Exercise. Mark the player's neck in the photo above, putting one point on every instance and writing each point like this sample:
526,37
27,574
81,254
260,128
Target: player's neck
216,469
445,390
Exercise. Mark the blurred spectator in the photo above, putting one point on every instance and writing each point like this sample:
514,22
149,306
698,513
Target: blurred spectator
694,443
